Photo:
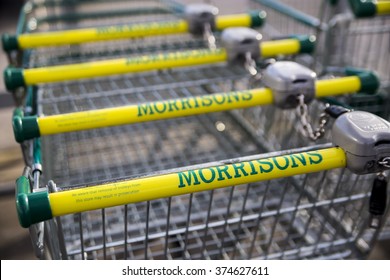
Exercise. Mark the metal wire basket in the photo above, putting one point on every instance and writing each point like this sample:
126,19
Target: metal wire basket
61,15
361,42
319,215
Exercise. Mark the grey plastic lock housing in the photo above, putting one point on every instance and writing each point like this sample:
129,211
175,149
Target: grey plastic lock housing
238,41
199,15
287,80
365,138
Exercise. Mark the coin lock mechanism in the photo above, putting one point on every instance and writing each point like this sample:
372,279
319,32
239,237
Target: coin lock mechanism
288,80
199,16
239,42
365,138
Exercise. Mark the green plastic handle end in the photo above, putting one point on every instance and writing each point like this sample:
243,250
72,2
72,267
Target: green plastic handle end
13,78
9,42
257,18
31,207
25,128
369,81
363,8
307,42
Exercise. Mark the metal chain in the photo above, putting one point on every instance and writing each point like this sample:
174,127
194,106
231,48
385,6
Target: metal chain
385,162
302,110
250,66
209,37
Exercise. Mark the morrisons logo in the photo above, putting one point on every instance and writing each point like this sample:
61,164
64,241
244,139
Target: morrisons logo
193,55
246,169
193,103
144,27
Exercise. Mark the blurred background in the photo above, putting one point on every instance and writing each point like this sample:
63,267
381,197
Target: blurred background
15,241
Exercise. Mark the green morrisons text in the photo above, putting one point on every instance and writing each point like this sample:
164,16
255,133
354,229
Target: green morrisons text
245,169
193,103
173,56
144,27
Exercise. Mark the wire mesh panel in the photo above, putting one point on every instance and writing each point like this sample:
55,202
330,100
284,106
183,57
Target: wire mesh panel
361,43
298,17
92,14
113,92
294,17
68,15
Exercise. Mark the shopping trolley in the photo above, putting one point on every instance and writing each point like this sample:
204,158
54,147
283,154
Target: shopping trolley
290,86
301,203
44,16
135,35
240,44
365,41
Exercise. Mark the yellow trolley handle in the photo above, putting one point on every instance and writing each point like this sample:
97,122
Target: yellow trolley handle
370,8
125,31
18,77
30,127
358,147
40,206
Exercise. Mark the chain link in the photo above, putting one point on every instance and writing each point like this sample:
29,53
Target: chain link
209,37
250,66
385,162
302,110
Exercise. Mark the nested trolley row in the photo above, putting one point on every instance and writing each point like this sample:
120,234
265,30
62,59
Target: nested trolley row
196,185
160,145
188,27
